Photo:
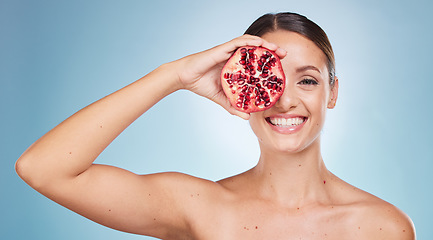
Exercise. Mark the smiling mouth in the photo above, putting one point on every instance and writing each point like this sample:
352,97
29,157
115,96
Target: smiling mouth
286,122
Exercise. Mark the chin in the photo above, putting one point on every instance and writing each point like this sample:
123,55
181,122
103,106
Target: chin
285,147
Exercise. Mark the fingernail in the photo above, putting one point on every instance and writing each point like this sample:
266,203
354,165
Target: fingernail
283,51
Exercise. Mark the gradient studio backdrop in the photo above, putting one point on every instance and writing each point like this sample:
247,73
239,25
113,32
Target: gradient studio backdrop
59,56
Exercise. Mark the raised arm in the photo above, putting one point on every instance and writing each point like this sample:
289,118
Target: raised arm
60,164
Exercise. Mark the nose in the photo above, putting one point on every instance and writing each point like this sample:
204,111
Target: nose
288,100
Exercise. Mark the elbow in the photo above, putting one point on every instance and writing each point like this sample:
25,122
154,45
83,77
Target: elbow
26,170
22,168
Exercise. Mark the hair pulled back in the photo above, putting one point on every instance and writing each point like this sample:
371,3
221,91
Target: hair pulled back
299,24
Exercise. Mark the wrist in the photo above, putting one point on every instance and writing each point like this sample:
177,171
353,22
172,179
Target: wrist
169,72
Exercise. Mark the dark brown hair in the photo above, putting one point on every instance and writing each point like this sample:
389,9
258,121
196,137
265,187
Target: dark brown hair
299,24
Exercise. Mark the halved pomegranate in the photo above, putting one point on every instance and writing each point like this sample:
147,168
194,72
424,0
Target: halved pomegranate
253,79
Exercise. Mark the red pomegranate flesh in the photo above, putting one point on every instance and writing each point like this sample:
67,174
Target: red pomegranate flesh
253,79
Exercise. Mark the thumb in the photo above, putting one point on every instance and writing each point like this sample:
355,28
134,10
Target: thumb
223,101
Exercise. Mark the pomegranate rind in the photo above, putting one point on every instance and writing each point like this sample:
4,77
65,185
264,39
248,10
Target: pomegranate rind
253,79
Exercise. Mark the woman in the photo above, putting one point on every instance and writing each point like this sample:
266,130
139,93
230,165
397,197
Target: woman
289,194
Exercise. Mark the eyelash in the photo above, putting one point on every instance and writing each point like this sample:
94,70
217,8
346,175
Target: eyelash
308,81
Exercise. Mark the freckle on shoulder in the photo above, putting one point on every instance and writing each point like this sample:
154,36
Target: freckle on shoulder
382,219
391,221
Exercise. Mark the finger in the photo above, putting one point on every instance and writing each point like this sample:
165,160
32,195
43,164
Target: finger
238,113
225,50
222,100
250,40
274,47
282,53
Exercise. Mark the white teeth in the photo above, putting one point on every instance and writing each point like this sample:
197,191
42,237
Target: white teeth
287,122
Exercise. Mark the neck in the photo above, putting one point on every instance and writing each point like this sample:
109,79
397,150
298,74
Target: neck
294,179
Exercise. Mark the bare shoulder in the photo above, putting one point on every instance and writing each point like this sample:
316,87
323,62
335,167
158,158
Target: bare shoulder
377,219
385,221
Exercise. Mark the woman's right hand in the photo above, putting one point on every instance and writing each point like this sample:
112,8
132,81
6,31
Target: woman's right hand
200,72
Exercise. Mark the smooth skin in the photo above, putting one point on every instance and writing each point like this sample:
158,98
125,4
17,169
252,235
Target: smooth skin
289,194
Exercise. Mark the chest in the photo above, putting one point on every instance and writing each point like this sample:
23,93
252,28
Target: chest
264,222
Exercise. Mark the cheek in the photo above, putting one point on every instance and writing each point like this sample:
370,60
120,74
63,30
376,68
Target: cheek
316,101
317,106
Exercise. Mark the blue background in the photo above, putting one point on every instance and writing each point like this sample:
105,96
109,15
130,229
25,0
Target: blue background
58,56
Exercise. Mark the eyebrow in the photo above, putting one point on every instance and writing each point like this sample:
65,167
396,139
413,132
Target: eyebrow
306,68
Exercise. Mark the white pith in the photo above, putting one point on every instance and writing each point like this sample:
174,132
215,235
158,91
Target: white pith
286,122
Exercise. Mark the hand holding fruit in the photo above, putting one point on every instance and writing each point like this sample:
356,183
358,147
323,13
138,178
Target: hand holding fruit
201,72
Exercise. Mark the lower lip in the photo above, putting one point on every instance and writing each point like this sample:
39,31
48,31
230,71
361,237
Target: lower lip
287,130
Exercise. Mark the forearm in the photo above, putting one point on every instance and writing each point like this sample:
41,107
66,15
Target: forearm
71,147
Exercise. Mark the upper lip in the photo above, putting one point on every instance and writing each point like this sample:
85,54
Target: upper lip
286,116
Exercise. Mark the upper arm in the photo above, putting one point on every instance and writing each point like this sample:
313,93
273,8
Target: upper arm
154,205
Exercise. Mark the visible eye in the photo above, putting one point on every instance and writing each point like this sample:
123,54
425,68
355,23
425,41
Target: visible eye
308,81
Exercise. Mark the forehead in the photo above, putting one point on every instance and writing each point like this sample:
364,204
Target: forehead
301,51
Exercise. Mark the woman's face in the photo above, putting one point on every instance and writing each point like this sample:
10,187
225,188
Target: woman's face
296,120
